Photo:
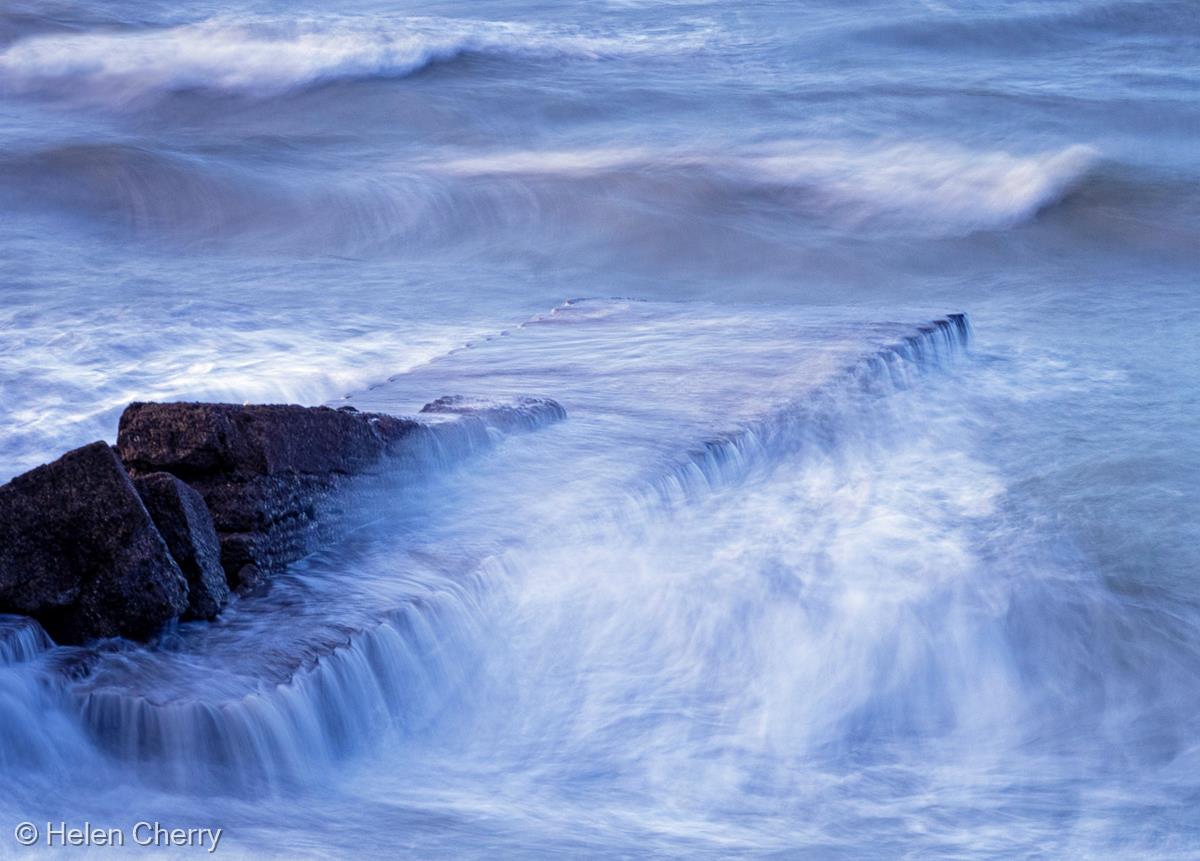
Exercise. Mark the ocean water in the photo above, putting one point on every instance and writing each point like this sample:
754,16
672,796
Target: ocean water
802,575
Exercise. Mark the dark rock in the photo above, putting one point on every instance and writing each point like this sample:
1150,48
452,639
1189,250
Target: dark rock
83,553
185,524
202,440
268,473
272,476
79,552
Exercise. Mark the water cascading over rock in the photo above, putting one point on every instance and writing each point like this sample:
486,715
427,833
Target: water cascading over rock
221,497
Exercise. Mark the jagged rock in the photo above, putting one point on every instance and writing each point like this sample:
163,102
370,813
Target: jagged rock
79,552
268,473
89,555
185,524
197,440
272,475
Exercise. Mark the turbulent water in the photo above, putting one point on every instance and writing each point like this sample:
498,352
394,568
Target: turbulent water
803,574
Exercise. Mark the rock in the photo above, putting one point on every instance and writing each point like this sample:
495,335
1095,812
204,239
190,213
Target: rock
272,476
195,440
80,553
187,527
269,474
225,495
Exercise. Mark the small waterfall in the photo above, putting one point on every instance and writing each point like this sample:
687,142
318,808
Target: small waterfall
36,730
456,429
392,678
728,458
21,640
351,689
397,675
354,687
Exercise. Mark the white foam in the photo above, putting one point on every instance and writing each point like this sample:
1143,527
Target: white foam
272,365
269,56
943,185
940,187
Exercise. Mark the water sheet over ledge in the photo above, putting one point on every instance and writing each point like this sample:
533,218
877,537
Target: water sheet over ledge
663,394
398,640
666,402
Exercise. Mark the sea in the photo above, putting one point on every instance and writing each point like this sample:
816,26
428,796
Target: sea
872,531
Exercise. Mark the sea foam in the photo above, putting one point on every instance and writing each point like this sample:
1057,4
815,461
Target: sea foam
932,187
264,57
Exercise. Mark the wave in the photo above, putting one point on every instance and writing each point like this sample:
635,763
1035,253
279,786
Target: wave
948,188
264,57
911,188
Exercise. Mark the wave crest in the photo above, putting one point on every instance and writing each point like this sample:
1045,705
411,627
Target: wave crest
940,188
906,189
267,56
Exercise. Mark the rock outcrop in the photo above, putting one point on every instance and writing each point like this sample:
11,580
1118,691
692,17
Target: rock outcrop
80,553
268,473
272,475
183,521
221,497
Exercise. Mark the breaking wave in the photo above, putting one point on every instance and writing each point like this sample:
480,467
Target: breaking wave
264,57
948,188
911,188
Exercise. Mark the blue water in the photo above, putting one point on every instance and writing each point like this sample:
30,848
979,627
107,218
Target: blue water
753,598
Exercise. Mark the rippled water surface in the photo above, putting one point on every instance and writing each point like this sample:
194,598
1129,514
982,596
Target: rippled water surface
800,576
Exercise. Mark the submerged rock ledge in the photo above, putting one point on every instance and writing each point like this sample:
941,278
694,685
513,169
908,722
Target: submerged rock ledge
199,499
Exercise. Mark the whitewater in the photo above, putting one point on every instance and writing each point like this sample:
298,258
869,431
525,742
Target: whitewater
872,527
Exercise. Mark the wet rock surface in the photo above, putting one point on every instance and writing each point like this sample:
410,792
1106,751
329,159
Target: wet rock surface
196,499
200,440
80,553
269,474
187,527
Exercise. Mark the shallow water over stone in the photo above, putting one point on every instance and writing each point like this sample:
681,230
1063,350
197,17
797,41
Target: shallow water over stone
784,582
